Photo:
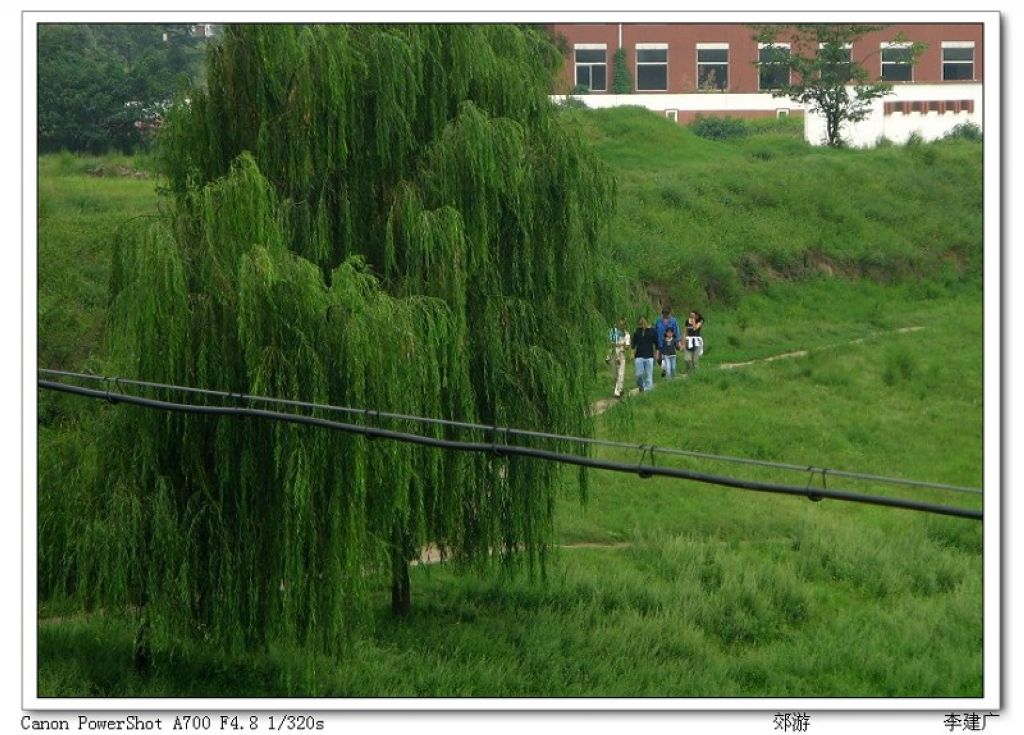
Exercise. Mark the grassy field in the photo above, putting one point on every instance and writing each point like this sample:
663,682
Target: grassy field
667,588
660,587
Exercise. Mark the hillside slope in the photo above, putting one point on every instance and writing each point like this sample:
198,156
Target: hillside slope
703,220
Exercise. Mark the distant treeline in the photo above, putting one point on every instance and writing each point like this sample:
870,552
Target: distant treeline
103,87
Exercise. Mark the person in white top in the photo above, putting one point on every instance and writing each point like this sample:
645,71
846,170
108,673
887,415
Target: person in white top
619,338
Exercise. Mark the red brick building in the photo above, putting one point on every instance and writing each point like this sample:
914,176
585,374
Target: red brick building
684,69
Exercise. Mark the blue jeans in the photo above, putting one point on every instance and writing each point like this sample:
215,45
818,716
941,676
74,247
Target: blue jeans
668,364
644,367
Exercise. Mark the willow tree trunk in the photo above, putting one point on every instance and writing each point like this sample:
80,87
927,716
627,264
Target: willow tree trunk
401,593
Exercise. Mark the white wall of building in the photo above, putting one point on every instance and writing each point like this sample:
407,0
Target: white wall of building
709,102
898,126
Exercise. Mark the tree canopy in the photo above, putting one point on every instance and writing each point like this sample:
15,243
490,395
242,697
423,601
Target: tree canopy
96,81
388,217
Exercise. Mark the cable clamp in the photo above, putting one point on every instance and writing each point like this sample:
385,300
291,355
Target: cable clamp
374,421
494,440
116,382
811,495
645,449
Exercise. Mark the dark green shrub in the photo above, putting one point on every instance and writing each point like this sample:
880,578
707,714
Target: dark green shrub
751,270
899,366
964,131
673,194
571,103
717,277
719,128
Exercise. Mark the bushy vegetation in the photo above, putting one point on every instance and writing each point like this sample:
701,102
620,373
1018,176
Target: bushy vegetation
965,131
715,127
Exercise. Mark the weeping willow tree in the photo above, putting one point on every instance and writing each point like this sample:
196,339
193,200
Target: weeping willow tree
388,217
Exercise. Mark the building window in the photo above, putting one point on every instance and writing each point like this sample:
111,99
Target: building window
896,63
592,66
712,66
672,115
652,67
958,61
782,112
773,66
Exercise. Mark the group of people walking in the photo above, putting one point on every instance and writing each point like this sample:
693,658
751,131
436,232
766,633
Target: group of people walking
659,343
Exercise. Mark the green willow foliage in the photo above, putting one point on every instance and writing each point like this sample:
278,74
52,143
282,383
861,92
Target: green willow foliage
393,218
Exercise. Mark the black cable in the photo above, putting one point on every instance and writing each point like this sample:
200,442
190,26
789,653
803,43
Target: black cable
651,470
516,432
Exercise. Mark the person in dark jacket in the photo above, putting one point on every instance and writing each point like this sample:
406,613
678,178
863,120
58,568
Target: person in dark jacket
645,344
667,352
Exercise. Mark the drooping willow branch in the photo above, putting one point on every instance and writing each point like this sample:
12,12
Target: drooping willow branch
392,217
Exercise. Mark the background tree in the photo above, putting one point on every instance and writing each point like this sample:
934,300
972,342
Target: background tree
389,217
822,73
96,81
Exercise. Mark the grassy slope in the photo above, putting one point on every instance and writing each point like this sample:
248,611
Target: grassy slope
719,592
79,215
703,219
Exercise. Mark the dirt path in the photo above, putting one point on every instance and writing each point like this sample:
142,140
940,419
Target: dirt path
604,404
84,616
432,555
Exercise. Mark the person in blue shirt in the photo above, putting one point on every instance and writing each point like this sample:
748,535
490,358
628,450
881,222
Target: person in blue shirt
667,321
